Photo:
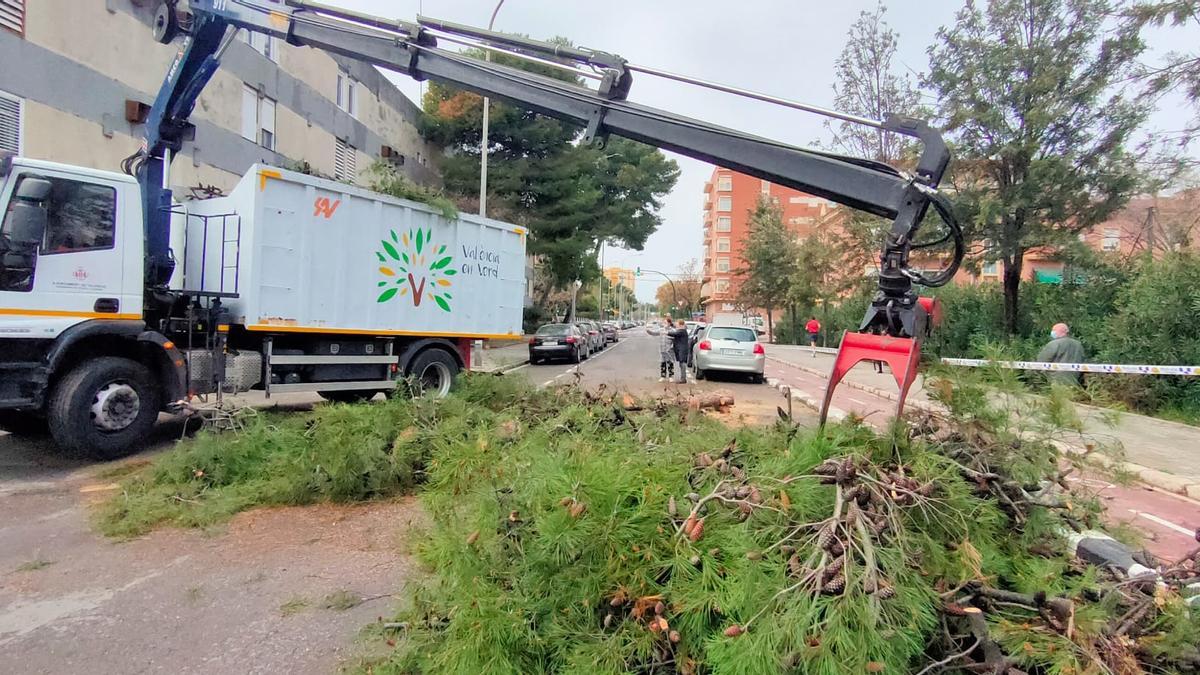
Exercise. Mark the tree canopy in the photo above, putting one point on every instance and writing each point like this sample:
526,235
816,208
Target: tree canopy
1029,93
570,195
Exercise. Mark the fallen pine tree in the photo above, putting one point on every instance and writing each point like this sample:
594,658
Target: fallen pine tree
576,532
595,534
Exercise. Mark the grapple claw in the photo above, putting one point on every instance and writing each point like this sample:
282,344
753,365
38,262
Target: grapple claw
901,354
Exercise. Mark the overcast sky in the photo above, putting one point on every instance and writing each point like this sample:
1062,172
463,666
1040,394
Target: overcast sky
781,47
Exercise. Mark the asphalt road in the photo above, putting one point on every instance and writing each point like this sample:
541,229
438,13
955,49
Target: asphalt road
632,365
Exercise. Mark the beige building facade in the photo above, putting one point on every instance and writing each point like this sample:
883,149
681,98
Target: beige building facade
75,71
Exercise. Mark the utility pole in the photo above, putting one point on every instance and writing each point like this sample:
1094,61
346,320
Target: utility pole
483,141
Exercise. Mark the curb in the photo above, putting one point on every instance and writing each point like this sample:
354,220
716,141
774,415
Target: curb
1187,486
502,369
835,414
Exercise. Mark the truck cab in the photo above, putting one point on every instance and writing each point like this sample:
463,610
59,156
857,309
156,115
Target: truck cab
72,334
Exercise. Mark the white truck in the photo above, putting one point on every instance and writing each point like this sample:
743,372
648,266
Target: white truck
289,283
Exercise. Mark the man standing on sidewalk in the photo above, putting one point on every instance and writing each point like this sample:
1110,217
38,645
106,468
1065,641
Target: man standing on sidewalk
1062,349
666,351
813,327
682,344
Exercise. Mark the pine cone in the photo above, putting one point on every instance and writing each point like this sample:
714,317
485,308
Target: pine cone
849,468
886,592
737,472
742,492
835,585
755,496
703,460
834,567
827,468
795,568
837,548
825,538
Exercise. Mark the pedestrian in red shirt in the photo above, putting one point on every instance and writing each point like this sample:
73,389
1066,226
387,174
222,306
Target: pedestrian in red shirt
814,328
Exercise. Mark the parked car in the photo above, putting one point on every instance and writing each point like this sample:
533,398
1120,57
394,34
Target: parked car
595,336
734,349
610,332
693,329
558,341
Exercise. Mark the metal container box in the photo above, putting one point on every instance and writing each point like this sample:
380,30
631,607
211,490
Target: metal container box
286,252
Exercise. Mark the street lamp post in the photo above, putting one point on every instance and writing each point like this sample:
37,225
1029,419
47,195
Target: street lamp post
574,292
483,141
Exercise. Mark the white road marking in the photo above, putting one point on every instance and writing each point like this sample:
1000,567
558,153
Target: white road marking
1161,521
575,368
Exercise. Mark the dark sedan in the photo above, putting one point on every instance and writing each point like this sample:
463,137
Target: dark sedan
610,332
558,341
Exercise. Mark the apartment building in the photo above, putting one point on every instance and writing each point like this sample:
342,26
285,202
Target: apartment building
619,276
78,74
729,198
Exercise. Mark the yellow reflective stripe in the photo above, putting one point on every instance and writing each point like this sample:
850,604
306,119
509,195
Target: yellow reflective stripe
22,311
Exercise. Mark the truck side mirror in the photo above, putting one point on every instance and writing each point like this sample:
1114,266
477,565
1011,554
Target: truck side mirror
25,224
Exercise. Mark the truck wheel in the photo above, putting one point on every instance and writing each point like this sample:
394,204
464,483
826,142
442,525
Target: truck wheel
433,372
347,396
19,423
104,407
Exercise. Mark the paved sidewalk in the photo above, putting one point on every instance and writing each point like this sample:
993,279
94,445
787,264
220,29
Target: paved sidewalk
509,355
1169,450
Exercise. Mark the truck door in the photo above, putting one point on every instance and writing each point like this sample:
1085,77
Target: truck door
74,270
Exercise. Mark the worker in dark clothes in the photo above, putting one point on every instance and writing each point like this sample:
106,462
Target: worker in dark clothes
1062,349
682,343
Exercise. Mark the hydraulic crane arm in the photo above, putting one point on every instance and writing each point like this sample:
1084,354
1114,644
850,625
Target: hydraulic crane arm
413,48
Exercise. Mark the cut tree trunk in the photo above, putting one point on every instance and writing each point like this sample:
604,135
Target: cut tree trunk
715,400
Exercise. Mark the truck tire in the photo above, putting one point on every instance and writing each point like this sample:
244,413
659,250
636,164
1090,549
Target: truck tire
104,407
432,372
20,423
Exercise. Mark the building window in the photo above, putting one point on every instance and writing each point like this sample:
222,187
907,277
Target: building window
991,269
766,187
262,43
258,118
723,245
345,159
1112,239
722,264
724,183
724,223
722,285
347,93
11,122
725,203
12,15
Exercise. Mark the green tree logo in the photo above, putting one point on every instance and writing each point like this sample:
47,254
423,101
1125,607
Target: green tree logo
411,267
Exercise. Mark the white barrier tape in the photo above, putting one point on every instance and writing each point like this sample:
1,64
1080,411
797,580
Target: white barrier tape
1134,369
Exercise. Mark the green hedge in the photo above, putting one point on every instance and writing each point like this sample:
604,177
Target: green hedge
1139,312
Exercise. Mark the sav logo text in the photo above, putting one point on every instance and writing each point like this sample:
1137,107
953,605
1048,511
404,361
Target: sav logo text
325,207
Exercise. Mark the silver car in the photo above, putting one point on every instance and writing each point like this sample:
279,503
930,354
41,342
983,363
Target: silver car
734,349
